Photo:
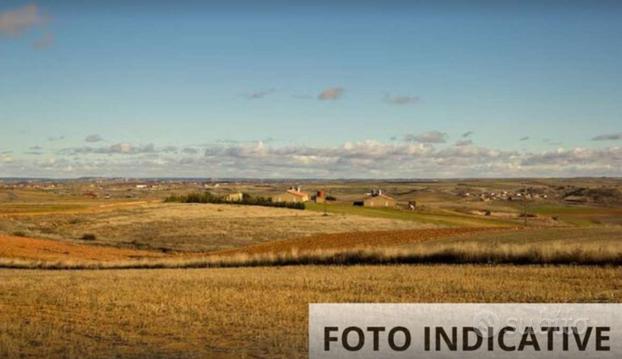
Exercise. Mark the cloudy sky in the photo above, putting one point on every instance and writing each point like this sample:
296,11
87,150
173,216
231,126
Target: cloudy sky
381,89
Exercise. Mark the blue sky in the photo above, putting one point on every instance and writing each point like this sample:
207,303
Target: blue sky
240,86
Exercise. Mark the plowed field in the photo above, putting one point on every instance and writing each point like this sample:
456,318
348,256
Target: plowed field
50,250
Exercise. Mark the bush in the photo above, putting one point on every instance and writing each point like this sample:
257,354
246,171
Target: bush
88,237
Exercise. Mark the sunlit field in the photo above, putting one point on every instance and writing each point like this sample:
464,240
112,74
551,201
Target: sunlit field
253,312
138,277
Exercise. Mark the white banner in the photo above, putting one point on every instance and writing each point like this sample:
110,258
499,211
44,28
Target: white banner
465,331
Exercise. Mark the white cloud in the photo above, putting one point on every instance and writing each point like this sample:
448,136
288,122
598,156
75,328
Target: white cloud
363,159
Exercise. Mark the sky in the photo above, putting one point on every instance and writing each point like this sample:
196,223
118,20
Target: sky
310,89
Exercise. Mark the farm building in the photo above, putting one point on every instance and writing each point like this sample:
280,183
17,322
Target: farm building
294,194
319,197
377,199
234,197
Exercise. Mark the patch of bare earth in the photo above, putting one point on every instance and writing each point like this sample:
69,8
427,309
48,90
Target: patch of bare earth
23,248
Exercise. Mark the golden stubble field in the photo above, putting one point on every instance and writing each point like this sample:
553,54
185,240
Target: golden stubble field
261,311
246,312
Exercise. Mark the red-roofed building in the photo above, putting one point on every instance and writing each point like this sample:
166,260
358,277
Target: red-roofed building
294,194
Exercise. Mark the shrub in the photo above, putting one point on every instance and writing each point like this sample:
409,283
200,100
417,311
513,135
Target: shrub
88,237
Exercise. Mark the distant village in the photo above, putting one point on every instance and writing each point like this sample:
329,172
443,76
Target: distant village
280,191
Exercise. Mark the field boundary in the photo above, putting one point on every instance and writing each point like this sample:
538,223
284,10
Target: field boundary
526,255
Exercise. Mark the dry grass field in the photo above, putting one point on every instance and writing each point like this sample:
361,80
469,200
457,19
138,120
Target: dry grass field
157,298
191,227
245,312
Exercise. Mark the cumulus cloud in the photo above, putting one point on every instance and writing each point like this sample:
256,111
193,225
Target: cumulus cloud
575,156
93,138
15,22
56,138
401,100
467,134
331,94
362,159
524,138
608,137
427,137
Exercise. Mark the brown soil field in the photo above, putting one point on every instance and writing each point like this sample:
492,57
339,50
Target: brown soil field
22,248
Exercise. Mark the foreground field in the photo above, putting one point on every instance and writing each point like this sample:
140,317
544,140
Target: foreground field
255,312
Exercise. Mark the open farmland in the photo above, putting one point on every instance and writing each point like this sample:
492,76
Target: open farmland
191,227
245,312
163,293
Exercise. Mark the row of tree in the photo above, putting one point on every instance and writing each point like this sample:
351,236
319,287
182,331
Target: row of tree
247,199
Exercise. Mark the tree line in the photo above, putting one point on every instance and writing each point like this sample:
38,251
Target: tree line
247,199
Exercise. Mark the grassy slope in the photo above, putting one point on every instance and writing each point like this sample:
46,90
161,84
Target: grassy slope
189,227
258,312
445,218
568,245
579,215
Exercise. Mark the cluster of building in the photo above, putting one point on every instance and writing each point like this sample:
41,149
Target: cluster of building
504,196
376,198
